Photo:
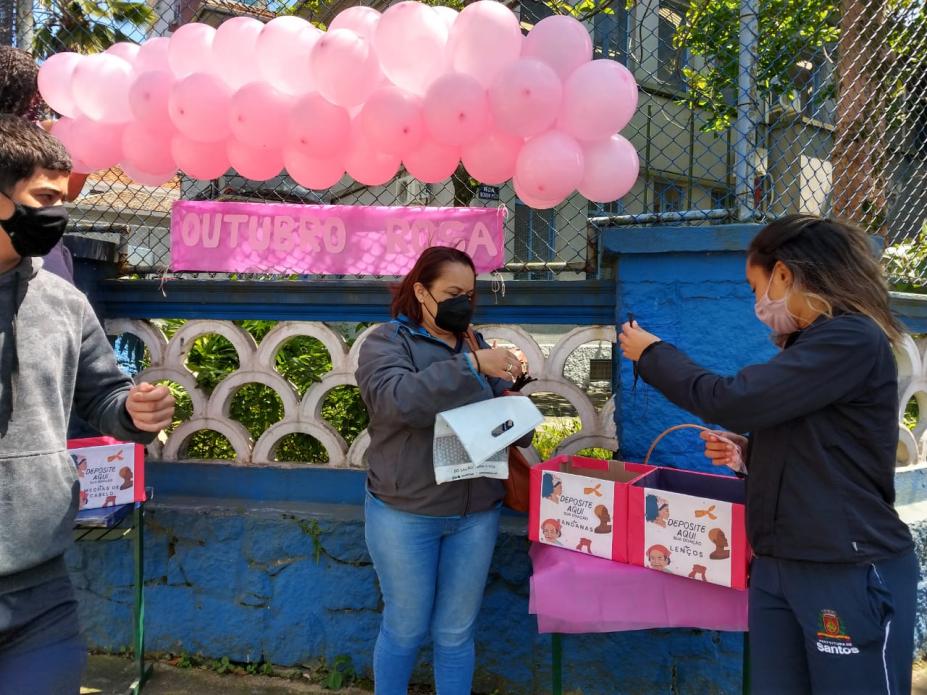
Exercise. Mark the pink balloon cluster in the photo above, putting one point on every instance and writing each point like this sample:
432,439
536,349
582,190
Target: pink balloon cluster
418,86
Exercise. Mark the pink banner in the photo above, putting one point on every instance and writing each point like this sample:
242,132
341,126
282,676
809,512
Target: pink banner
327,239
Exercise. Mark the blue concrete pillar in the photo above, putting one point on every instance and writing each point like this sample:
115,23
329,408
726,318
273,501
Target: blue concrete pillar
687,286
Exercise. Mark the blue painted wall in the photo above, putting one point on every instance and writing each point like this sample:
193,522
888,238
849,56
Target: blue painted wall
231,565
687,286
240,579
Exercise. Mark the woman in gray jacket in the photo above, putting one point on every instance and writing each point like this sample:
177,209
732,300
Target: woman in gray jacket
431,544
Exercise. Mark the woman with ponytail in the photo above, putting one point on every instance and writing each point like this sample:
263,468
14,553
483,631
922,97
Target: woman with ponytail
815,430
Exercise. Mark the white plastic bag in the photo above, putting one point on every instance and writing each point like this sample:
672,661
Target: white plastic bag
473,441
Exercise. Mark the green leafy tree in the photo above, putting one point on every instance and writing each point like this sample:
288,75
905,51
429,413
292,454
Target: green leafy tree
85,26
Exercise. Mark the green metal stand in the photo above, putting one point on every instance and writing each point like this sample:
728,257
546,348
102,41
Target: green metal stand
746,666
138,618
556,665
101,528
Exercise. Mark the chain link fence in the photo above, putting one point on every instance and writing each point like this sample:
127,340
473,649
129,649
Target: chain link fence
749,109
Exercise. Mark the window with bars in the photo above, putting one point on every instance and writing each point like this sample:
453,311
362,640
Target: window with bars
535,238
610,33
671,60
533,11
668,197
721,199
614,208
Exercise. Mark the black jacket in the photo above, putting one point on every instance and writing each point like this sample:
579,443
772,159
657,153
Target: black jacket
823,422
406,377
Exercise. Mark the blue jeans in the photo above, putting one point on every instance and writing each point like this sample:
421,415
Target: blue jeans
42,651
432,573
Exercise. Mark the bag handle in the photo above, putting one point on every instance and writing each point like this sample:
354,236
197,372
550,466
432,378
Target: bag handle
669,431
472,342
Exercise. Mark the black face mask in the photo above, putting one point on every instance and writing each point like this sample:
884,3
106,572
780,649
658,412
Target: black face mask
454,314
35,231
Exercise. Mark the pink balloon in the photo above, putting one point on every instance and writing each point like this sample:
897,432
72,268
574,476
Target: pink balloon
409,43
432,162
532,201
125,50
144,149
561,42
147,178
199,107
283,51
55,83
152,57
485,38
345,67
61,129
525,98
318,127
234,48
360,19
491,159
392,121
255,163
366,165
314,173
550,166
456,109
259,115
606,109
447,15
100,86
611,168
97,145
148,99
200,160
190,49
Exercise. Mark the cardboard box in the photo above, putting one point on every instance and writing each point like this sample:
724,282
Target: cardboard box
690,524
581,504
110,472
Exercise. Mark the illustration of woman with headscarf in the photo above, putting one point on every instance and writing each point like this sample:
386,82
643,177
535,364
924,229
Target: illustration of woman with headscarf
605,519
81,464
551,488
550,529
656,510
659,557
126,474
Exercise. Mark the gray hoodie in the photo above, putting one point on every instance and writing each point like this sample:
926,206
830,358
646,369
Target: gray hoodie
53,353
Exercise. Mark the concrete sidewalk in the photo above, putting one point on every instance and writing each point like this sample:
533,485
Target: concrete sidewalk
111,675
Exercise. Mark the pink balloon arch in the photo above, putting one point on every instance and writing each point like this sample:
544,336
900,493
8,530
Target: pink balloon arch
360,100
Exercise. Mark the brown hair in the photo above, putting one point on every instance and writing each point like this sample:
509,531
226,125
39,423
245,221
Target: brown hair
19,81
26,148
426,270
833,264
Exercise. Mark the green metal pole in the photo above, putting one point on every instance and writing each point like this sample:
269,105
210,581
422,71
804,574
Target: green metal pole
138,520
746,665
556,644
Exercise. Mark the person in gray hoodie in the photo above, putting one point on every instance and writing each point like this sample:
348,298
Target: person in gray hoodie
53,353
431,544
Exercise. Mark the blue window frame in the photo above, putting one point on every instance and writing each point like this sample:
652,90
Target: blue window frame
610,33
668,197
535,237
